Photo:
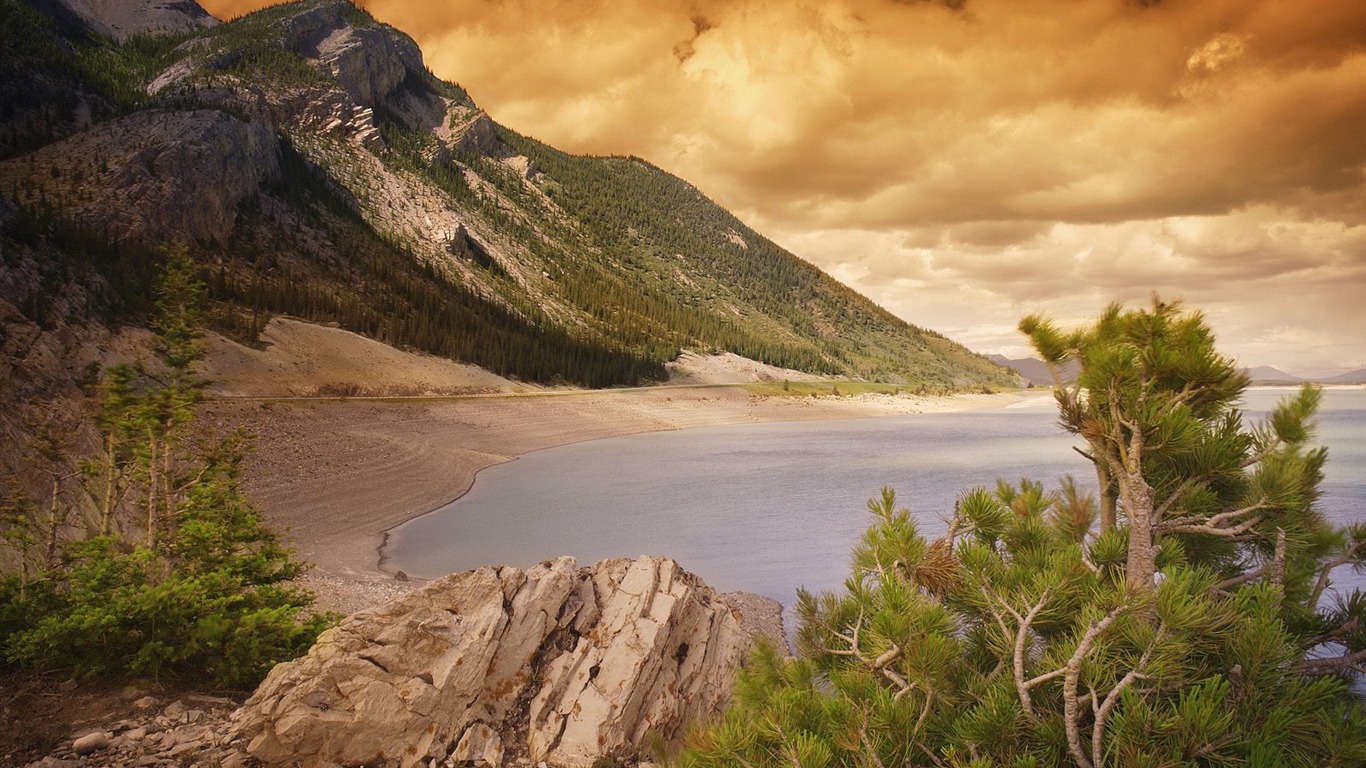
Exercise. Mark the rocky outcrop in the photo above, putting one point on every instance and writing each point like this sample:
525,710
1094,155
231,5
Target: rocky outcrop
501,666
152,176
477,134
376,66
122,19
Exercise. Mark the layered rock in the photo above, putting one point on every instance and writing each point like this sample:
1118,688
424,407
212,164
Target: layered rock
123,19
153,175
555,663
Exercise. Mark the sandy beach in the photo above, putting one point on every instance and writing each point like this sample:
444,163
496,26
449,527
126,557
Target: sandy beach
335,473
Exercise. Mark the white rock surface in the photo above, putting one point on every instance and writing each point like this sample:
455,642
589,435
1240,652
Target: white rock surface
555,663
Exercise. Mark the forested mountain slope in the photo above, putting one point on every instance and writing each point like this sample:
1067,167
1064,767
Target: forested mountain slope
317,169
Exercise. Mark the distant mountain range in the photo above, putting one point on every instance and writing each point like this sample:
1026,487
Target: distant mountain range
317,169
1351,377
1036,372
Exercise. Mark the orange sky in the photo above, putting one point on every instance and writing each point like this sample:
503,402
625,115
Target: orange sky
966,162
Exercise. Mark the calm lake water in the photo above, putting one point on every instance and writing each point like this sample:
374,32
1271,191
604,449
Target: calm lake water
768,508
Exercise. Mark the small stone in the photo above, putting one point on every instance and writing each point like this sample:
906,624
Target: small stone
68,686
210,701
400,576
136,734
91,742
146,702
131,693
174,710
189,746
146,761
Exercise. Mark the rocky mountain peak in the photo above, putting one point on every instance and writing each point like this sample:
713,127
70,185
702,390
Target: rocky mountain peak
370,62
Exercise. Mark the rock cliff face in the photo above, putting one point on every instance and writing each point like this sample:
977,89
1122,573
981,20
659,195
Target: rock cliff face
501,666
153,173
122,19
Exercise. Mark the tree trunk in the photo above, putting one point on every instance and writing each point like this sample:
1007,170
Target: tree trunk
53,525
166,474
1107,497
107,504
1138,511
151,492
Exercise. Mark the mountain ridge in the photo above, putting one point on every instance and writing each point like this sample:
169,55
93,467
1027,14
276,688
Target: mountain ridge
321,171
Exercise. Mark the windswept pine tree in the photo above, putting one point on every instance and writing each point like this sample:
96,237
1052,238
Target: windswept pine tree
1195,627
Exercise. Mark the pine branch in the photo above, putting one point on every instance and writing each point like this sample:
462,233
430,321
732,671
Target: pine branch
1102,713
1231,533
1326,571
1346,628
1334,664
1071,713
1022,637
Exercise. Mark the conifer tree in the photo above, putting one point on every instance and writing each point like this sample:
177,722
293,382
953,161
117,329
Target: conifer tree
203,593
1192,630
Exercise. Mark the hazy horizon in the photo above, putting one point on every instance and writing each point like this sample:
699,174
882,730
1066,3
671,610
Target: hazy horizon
966,163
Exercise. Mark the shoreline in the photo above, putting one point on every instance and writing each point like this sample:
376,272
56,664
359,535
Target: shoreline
335,476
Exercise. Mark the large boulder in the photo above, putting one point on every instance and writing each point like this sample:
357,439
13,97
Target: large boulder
497,666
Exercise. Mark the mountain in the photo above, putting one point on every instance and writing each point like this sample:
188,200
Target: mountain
1351,377
1265,374
317,169
1033,370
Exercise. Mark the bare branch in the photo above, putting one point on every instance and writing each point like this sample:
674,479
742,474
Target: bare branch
1346,627
1324,575
1278,562
1090,564
1045,677
1233,532
1213,745
1213,521
933,758
1332,664
1071,708
868,743
1112,697
1022,637
1239,580
1176,496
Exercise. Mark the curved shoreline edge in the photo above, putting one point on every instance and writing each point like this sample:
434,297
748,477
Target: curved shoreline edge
337,476
938,404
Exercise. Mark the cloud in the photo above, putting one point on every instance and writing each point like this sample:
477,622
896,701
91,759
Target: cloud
686,49
1266,279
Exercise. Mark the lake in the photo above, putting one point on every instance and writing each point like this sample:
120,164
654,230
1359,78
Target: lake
771,507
